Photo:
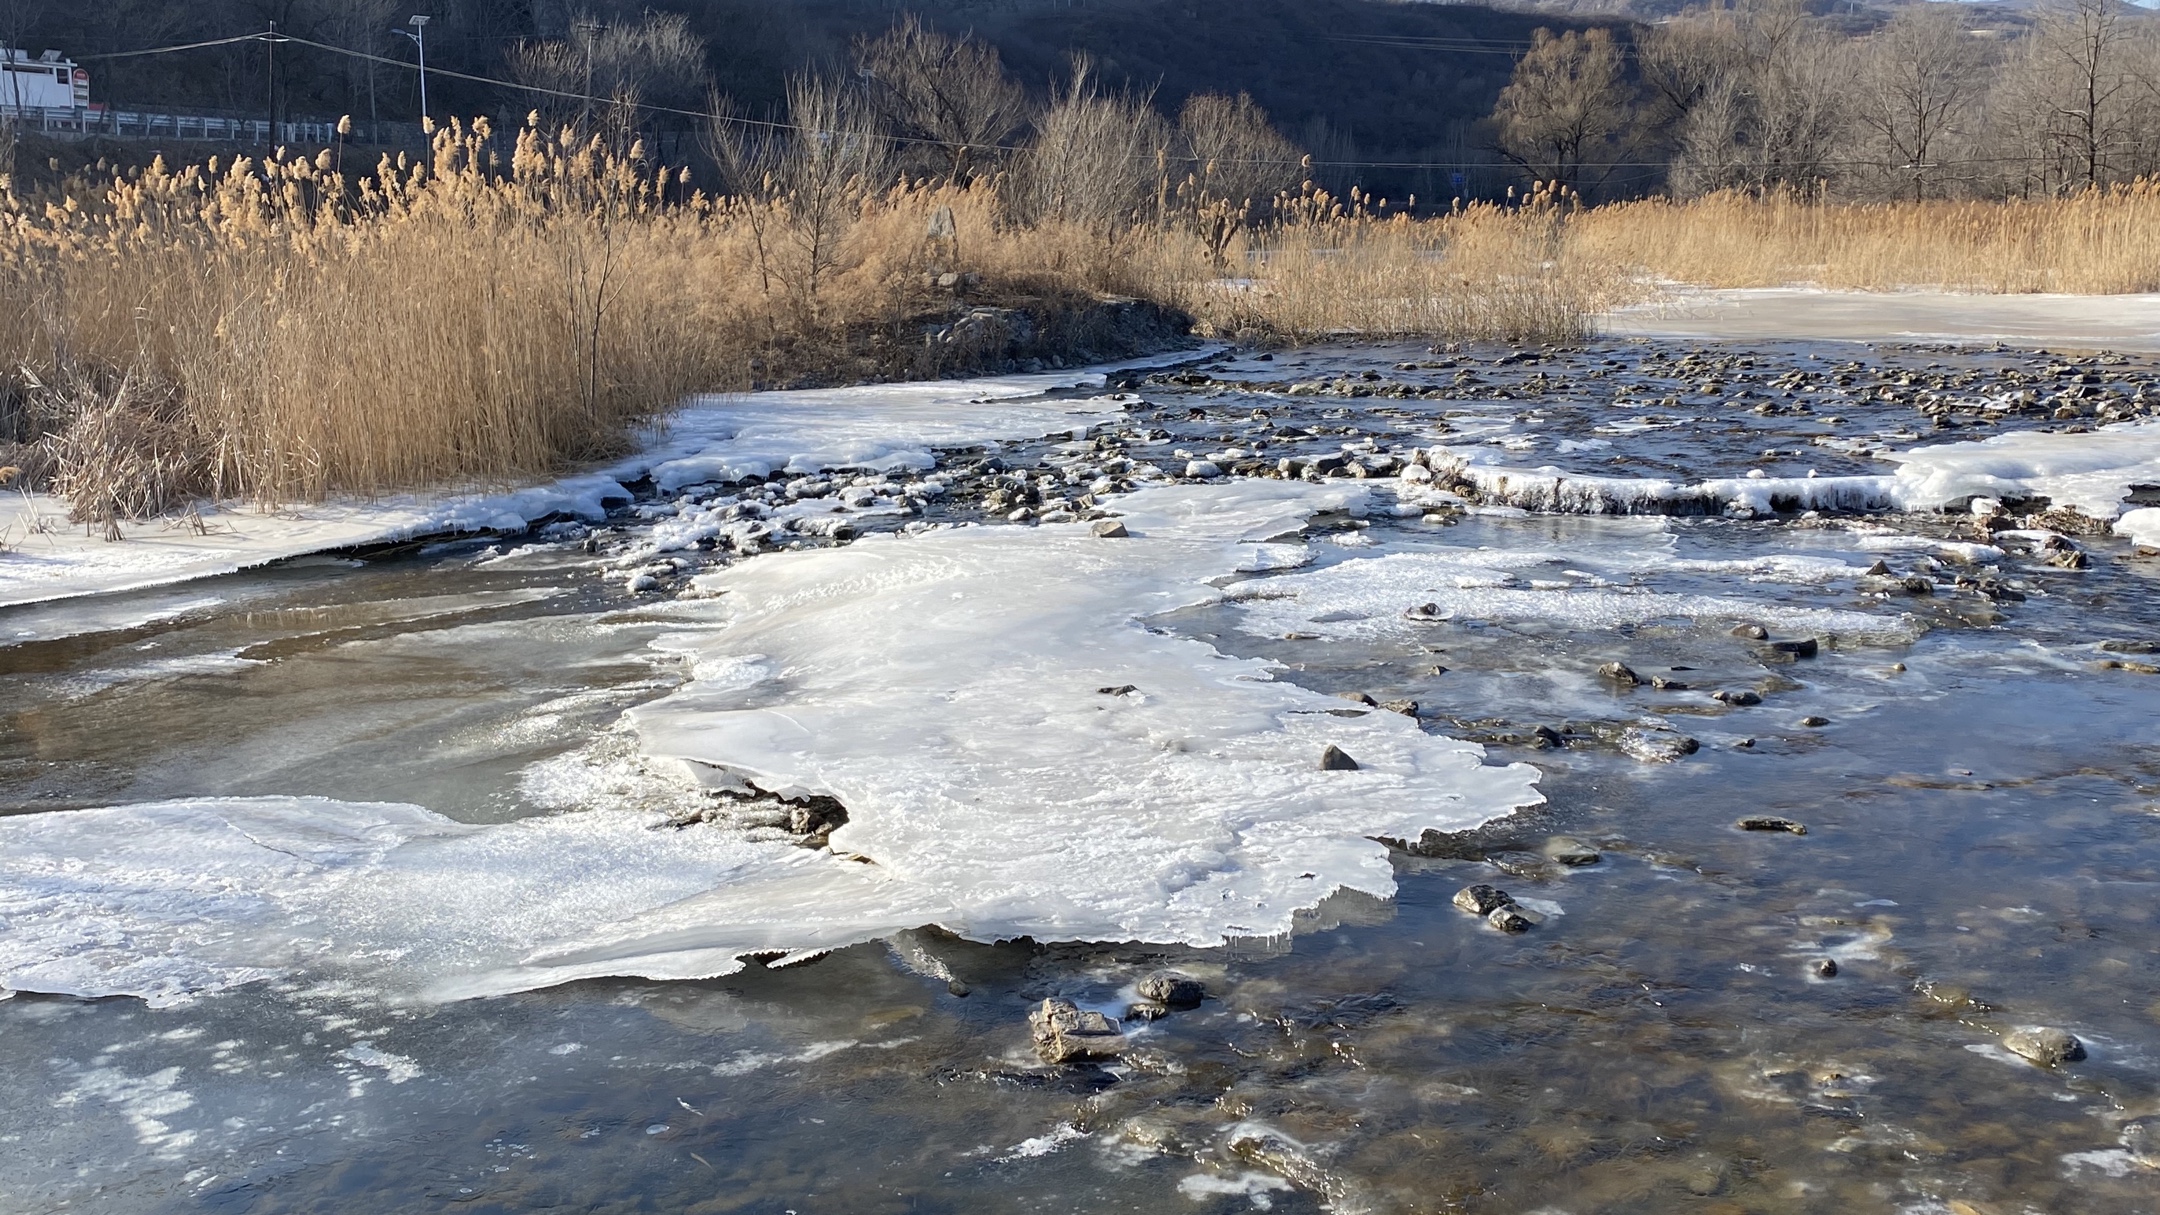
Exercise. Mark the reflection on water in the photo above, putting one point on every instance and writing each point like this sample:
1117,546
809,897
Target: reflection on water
1981,799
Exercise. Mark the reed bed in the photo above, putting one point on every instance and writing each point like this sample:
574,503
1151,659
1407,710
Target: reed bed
280,330
2101,242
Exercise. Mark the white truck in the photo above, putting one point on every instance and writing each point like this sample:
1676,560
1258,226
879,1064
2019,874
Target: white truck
48,82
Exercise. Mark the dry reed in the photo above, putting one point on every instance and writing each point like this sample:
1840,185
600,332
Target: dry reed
276,330
2101,242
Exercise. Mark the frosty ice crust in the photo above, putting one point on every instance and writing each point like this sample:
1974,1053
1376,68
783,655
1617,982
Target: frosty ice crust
945,687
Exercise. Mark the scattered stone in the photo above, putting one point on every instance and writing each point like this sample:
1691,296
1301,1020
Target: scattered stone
1110,529
1359,697
1805,647
1146,1010
1813,722
1482,899
1545,738
1510,919
1423,611
1171,989
1202,469
2108,664
1571,852
1752,632
2131,647
1335,759
1918,585
1064,1033
2043,1044
1662,684
1826,968
1771,822
1408,708
1621,674
1738,699
1881,569
1119,690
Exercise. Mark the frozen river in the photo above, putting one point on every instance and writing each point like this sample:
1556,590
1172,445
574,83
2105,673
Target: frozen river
711,856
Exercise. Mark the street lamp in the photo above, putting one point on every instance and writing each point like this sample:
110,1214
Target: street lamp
418,33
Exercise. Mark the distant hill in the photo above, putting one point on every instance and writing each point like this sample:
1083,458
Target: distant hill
1351,80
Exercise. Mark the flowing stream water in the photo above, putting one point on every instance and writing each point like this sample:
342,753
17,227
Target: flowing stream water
1705,1019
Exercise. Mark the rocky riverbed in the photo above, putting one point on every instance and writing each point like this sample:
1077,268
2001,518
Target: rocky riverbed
1840,899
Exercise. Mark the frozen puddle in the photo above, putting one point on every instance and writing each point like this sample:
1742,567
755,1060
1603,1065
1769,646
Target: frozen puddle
947,688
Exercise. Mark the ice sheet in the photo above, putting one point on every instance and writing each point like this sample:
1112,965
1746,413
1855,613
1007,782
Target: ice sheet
2092,473
877,426
2112,322
948,689
171,900
945,687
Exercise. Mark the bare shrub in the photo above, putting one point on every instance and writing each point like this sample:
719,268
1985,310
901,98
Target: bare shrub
1096,159
802,185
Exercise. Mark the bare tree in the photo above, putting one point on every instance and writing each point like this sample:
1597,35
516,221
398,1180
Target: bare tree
2081,72
1095,159
1752,97
952,93
1561,117
1917,83
803,182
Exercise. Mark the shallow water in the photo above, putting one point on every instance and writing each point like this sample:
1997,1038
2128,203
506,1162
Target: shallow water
1982,801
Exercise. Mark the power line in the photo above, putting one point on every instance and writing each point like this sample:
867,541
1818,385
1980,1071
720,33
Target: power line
274,36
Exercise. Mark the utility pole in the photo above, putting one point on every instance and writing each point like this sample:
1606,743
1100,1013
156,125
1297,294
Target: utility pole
418,33
591,30
270,87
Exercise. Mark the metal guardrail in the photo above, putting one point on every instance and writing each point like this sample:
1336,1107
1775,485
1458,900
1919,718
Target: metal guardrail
135,124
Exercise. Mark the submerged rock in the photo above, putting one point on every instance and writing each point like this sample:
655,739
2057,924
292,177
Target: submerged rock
1482,899
1110,529
1657,746
1571,852
1804,647
1752,632
1510,919
2044,1045
1738,699
1771,822
1621,674
1335,759
1064,1033
1171,989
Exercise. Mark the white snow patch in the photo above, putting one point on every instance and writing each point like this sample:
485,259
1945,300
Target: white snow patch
396,1068
2091,473
2141,527
943,687
875,426
1255,1186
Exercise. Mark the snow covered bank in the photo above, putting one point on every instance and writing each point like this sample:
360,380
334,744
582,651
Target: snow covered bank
2091,473
880,427
2110,322
962,692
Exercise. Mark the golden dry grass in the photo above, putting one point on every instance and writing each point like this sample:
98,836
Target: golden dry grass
278,330
2102,242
